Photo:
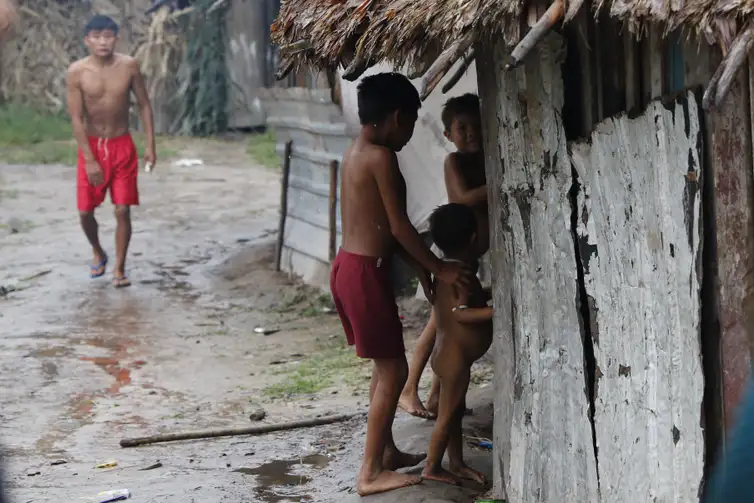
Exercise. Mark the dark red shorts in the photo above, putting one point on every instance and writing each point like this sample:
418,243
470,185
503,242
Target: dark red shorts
120,166
363,293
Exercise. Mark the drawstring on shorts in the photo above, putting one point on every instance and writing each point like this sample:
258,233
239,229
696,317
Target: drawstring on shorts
102,147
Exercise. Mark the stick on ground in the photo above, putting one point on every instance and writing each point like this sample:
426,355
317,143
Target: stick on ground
233,432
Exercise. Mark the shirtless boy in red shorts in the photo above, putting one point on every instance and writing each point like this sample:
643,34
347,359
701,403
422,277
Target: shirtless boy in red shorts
375,227
99,91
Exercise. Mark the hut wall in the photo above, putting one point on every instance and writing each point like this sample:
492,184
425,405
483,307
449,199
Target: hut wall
625,343
544,445
318,131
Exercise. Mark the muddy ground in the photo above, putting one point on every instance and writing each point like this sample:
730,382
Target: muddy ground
83,365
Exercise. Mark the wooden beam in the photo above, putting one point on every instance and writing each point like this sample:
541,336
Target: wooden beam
356,69
285,68
458,74
299,46
731,65
553,14
731,168
283,202
443,63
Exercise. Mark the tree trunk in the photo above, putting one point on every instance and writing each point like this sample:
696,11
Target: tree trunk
544,448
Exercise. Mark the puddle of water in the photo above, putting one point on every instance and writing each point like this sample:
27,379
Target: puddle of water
276,483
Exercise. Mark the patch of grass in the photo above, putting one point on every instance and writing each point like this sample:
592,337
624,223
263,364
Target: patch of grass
333,361
261,148
32,136
319,305
24,126
9,194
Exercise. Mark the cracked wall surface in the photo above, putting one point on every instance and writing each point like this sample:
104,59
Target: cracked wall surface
543,435
597,359
639,230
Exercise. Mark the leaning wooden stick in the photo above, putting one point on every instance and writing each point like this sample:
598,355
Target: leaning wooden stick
443,63
358,66
733,62
465,64
553,14
234,432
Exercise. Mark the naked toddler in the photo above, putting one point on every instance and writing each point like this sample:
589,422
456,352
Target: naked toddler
464,334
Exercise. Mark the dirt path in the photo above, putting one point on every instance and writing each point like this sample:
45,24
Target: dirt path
83,365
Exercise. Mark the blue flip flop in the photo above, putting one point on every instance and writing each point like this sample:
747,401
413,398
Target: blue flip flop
95,268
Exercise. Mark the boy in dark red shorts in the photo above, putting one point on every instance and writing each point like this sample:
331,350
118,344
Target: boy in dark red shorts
99,90
375,227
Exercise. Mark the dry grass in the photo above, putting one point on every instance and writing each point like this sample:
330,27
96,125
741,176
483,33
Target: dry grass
47,40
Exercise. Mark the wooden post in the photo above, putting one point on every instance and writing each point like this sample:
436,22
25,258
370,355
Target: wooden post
283,202
731,168
543,449
333,208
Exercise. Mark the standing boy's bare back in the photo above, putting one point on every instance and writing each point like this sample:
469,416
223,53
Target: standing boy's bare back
375,226
99,92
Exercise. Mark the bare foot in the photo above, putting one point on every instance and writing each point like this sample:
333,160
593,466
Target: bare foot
466,472
395,459
385,481
432,404
440,475
412,405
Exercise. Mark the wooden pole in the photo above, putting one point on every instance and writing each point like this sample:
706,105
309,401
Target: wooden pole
283,202
234,432
536,34
443,63
333,208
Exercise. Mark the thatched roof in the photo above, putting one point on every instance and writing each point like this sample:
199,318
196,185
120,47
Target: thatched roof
356,33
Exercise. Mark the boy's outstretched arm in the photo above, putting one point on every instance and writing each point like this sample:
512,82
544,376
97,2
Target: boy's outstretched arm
425,277
386,173
456,186
145,110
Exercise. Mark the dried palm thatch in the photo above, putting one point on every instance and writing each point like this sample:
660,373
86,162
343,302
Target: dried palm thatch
48,38
160,54
430,35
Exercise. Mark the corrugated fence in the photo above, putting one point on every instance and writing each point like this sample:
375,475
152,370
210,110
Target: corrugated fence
319,135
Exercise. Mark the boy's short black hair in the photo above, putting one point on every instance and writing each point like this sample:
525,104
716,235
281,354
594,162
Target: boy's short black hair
452,226
382,94
466,103
101,23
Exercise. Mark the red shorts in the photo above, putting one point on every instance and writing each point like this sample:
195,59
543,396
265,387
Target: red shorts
363,293
120,166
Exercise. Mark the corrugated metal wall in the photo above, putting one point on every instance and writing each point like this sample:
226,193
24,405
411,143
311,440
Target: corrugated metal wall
319,134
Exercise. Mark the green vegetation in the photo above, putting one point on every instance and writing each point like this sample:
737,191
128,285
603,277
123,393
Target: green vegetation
261,148
30,135
331,363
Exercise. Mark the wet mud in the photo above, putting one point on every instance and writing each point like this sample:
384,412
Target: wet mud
83,365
